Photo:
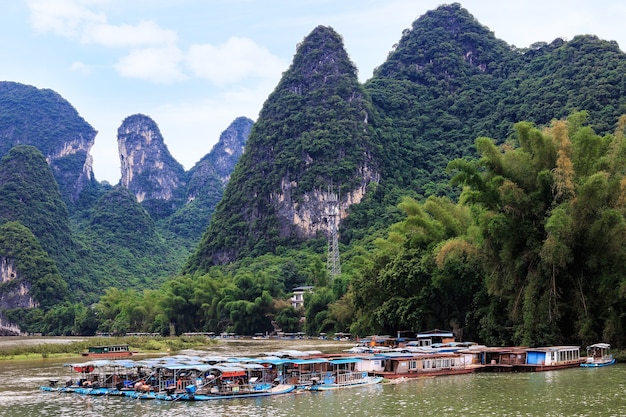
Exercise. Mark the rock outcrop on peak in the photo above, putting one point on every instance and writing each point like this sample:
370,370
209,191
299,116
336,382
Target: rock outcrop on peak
148,169
227,151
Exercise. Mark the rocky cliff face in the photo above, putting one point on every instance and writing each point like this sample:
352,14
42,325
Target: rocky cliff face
44,119
225,154
14,293
309,217
148,169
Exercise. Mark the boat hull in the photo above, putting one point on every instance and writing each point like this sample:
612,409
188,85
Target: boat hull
278,390
365,381
393,375
597,364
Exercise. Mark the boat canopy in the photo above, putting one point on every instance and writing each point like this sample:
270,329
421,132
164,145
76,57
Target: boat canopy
599,346
344,360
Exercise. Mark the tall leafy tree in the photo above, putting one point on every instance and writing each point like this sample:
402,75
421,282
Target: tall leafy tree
553,229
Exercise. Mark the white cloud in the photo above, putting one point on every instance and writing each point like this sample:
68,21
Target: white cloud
143,33
81,67
233,61
74,19
159,65
62,17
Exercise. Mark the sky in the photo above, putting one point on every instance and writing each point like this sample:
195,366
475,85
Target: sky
194,66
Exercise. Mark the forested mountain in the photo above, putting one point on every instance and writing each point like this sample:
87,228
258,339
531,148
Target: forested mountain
312,139
447,81
42,118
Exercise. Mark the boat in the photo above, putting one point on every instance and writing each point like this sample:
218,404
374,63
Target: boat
550,358
392,365
108,352
344,373
525,359
101,377
203,382
598,354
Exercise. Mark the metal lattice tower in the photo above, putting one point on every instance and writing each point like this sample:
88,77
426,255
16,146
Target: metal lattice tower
332,217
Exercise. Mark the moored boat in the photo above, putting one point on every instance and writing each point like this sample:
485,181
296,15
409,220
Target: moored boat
393,365
344,373
598,354
108,352
550,358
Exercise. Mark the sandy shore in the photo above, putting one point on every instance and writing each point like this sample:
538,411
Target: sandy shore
12,341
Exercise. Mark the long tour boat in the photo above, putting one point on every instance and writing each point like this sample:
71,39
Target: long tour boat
393,365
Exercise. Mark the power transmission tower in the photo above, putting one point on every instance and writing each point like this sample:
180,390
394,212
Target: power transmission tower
332,217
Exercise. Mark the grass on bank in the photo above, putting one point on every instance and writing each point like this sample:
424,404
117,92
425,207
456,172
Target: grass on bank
141,344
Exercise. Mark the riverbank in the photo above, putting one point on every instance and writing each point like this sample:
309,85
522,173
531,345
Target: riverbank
38,347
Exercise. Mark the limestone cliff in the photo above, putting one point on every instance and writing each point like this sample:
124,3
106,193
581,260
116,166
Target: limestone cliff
148,169
227,151
15,290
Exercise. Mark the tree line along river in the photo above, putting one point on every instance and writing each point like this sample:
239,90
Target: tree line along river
567,392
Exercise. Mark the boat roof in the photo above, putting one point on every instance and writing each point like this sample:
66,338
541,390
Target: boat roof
552,348
345,360
600,345
293,353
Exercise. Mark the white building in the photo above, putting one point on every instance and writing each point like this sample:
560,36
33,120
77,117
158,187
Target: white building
297,299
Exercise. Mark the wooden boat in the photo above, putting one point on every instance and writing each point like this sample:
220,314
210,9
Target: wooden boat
108,352
598,354
550,358
501,359
199,381
393,365
344,373
317,373
101,377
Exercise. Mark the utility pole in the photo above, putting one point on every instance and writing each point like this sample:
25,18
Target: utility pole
332,217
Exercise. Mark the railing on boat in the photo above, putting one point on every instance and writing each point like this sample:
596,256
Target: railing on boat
349,377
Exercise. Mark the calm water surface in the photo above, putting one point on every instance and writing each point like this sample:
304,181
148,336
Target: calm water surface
569,392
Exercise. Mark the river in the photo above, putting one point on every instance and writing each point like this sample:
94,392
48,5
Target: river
569,392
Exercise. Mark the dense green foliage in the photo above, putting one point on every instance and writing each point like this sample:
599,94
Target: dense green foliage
449,80
124,243
533,253
33,266
29,194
